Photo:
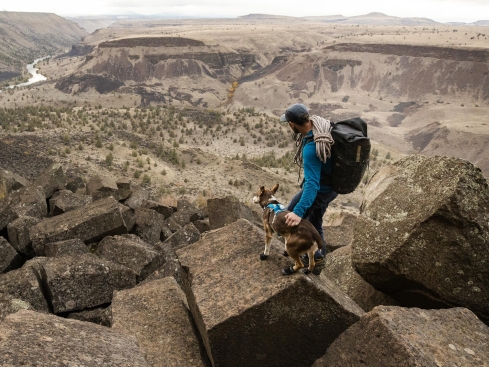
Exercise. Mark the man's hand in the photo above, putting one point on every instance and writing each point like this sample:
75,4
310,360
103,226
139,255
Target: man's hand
292,219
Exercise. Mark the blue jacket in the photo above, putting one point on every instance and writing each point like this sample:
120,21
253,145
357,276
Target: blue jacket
313,169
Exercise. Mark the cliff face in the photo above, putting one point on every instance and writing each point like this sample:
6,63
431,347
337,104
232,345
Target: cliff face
146,58
27,36
392,71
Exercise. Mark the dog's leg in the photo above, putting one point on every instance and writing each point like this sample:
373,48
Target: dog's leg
312,263
297,264
268,241
286,254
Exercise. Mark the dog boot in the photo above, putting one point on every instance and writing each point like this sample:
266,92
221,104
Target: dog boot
288,271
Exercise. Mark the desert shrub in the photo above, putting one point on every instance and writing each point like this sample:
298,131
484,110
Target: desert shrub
146,179
109,158
66,138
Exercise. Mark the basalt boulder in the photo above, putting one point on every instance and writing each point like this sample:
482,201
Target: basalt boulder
248,314
139,256
18,234
137,198
9,305
10,181
64,200
340,232
202,225
223,211
100,187
9,258
29,338
97,315
171,224
74,180
395,336
171,268
83,281
423,235
157,315
127,216
339,270
51,180
27,201
184,236
64,248
186,213
90,223
164,210
148,225
24,284
124,188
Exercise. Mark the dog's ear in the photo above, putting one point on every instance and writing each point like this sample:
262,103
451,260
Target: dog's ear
274,188
262,188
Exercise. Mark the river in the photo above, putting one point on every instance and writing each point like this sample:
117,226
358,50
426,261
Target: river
33,71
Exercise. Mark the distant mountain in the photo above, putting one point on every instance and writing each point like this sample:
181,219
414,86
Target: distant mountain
91,24
383,19
264,16
481,23
371,19
27,36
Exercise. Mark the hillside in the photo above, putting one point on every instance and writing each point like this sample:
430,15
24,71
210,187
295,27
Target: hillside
420,89
25,37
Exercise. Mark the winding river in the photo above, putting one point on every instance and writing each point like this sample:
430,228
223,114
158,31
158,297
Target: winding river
33,71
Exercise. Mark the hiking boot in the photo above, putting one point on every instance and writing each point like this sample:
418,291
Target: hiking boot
319,263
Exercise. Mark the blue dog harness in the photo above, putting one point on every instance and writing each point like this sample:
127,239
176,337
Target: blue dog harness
277,208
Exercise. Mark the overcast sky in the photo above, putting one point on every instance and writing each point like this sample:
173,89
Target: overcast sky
439,10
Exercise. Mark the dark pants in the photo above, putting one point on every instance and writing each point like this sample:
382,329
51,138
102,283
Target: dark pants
316,212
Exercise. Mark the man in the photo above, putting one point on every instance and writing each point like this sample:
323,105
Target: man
314,141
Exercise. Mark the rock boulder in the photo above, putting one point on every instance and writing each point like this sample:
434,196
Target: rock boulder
9,258
423,235
90,223
339,270
29,338
139,256
83,281
63,201
100,187
223,211
395,336
157,315
248,314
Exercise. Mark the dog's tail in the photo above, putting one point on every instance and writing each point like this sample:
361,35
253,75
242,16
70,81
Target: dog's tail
317,239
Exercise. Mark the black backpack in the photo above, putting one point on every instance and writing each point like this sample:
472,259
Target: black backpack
350,154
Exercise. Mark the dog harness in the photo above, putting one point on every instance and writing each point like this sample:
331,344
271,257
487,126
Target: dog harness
275,209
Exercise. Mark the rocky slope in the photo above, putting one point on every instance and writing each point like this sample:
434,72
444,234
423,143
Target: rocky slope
88,258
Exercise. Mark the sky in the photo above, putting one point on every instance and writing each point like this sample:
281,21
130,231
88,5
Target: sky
438,10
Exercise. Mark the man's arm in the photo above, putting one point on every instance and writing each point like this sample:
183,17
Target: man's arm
312,176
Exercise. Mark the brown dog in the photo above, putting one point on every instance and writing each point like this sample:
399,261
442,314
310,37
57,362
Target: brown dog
300,239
